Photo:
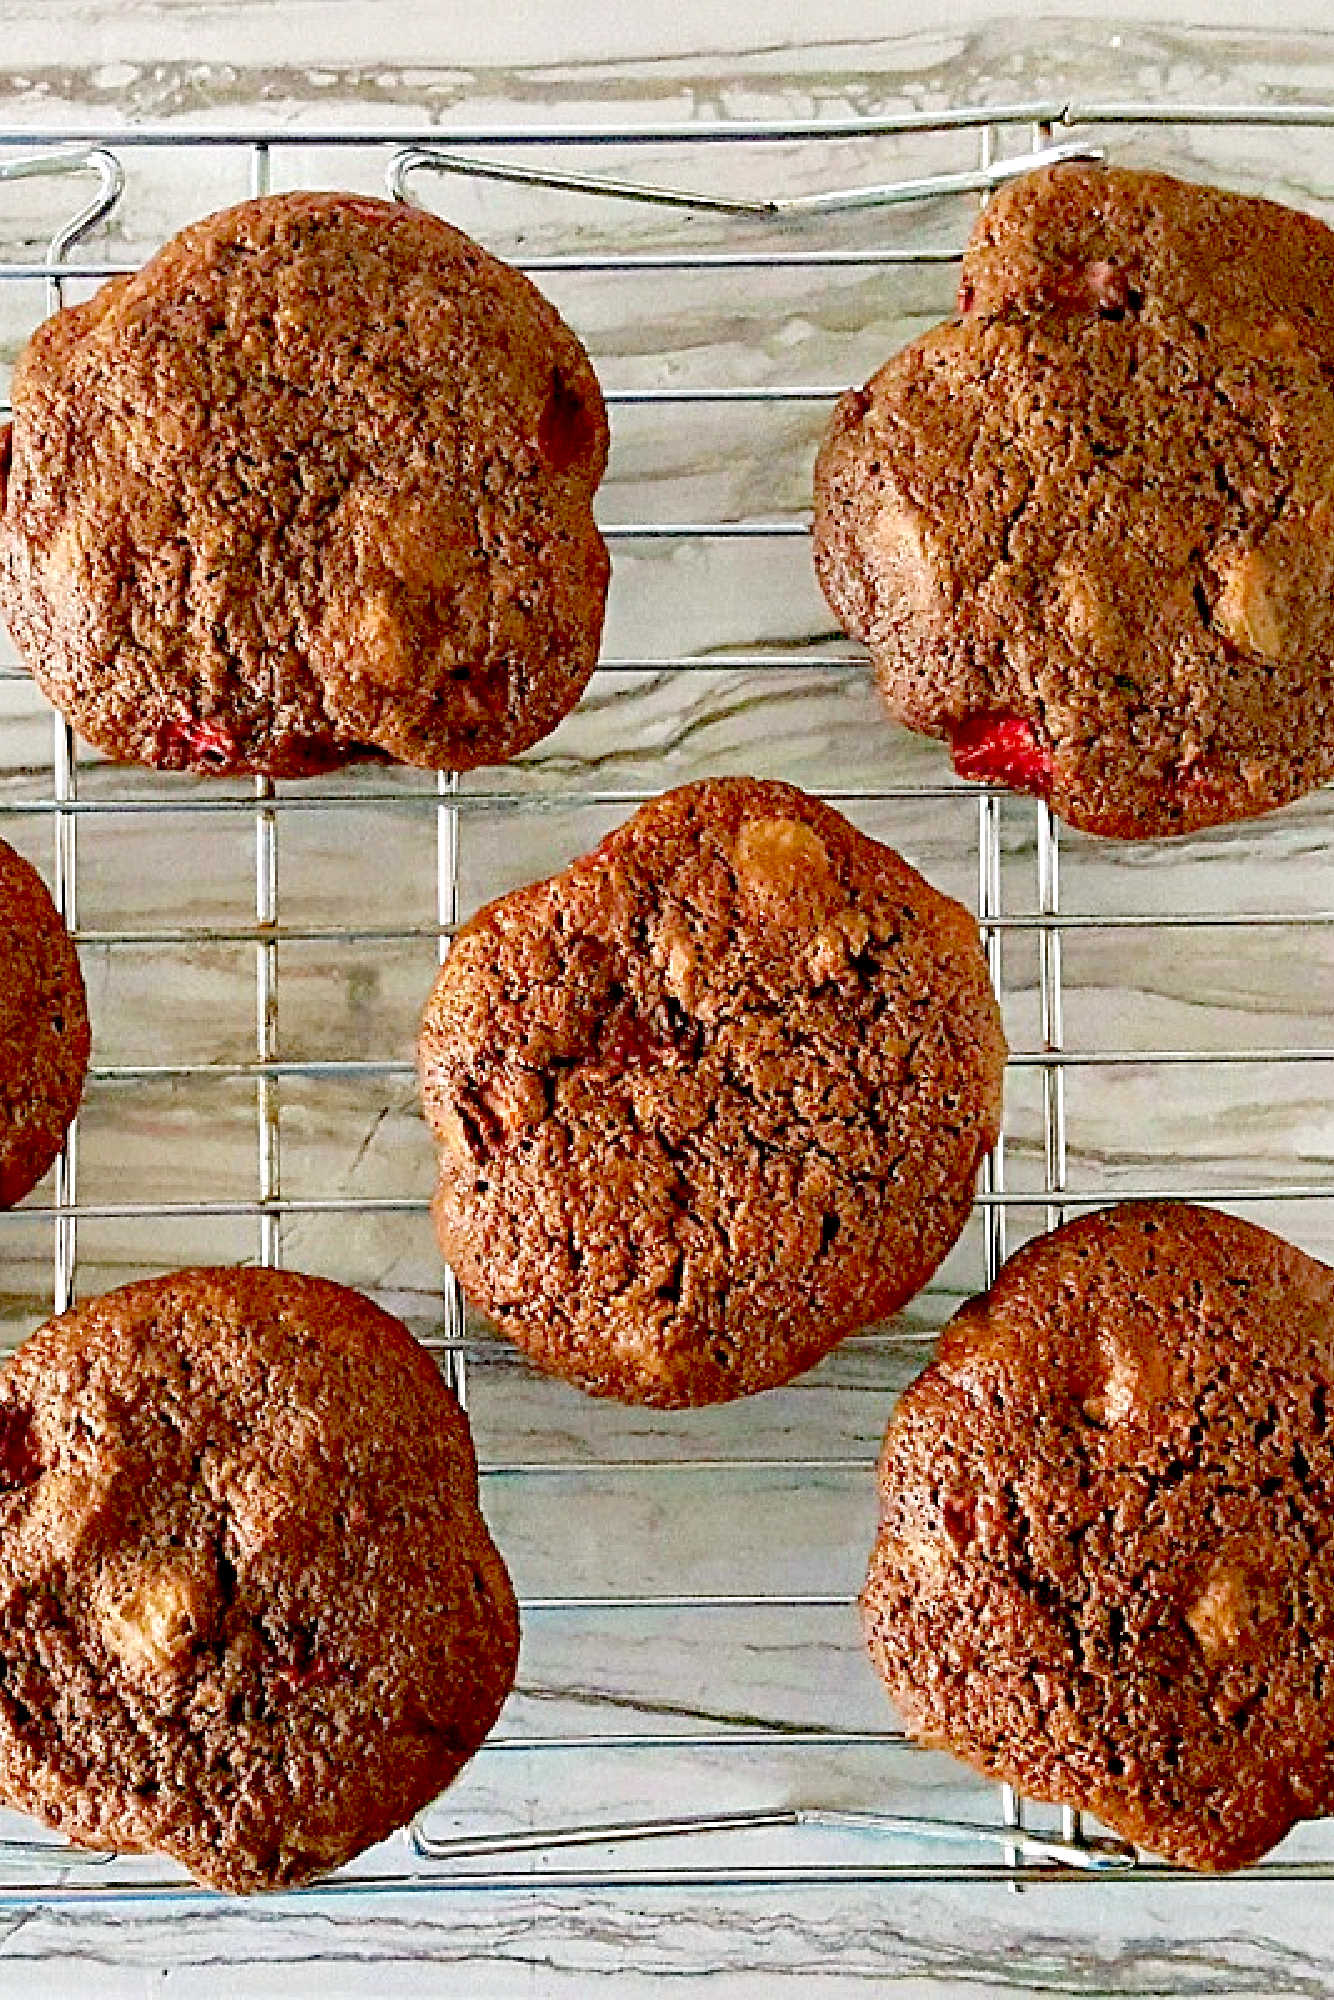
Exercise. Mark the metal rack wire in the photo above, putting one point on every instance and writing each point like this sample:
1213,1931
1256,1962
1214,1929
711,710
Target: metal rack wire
1001,140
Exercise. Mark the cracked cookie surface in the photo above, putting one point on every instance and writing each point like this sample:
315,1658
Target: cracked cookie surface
1086,530
45,1039
250,1614
315,484
1105,1563
711,1099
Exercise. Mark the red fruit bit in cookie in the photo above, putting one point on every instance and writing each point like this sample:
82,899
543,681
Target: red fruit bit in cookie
304,1664
1201,786
1100,287
199,742
632,1042
317,1672
565,431
20,1462
1001,750
958,1513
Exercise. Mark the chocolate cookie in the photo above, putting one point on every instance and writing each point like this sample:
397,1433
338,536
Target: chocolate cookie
712,1098
1105,1565
44,1035
1087,529
249,1611
314,485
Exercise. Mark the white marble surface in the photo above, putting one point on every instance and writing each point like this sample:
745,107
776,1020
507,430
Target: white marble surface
629,1506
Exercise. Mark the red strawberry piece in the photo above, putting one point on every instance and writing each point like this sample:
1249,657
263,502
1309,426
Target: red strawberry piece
317,1672
1202,785
631,1042
566,431
959,1518
197,742
304,1665
1100,287
20,1462
1001,750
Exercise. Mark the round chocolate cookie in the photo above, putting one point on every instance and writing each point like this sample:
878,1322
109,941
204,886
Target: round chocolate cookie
711,1099
1087,529
44,1034
315,484
249,1611
1105,1563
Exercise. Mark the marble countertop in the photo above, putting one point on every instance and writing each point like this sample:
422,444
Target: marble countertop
690,1644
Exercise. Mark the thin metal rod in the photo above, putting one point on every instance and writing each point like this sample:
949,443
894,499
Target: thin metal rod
421,159
986,1200
893,194
717,131
1095,1858
447,914
164,1211
498,1881
1225,116
544,1468
768,259
611,260
758,392
470,801
796,525
690,1600
1050,1061
278,932
1064,112
777,1737
267,1109
323,1069
1055,1159
992,1193
833,201
1053,1026
543,798
66,895
267,1105
64,770
989,903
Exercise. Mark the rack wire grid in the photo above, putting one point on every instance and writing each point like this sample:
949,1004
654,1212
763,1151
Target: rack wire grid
681,1657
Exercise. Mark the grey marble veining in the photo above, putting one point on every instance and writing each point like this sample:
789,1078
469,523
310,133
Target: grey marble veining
772,1499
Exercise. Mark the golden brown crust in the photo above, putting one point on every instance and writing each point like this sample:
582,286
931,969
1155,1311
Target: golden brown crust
314,484
249,1611
712,1098
1105,1564
1098,509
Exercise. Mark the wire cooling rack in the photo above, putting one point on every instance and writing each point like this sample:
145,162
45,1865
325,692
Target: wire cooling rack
650,1716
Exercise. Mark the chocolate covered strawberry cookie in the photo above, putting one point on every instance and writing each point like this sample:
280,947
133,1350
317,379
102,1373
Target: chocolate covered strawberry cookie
711,1099
1086,529
314,485
250,1614
1105,1563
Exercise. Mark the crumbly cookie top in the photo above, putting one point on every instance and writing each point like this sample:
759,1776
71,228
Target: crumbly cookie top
249,1611
1087,529
315,483
711,1098
1105,1568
